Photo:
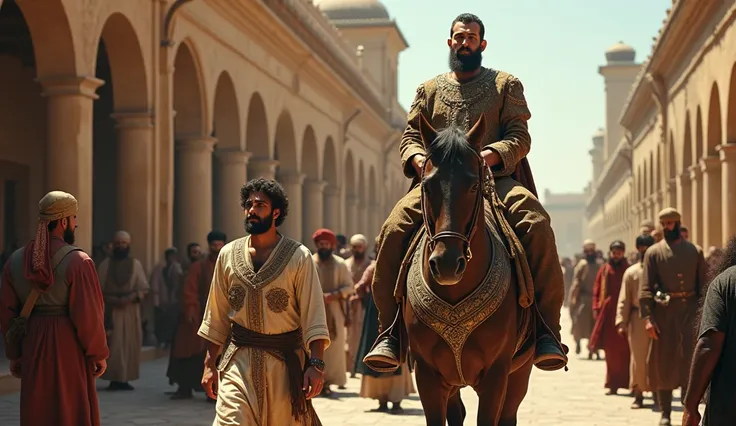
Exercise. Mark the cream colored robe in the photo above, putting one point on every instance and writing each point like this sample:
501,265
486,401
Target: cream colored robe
357,311
388,389
335,278
627,314
126,339
282,296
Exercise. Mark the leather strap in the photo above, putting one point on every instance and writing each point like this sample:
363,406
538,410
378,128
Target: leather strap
35,290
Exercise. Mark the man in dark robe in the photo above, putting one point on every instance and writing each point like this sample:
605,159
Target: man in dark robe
186,363
167,279
460,98
673,277
605,335
64,348
714,361
581,295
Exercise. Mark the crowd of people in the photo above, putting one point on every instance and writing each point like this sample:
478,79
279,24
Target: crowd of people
647,310
207,308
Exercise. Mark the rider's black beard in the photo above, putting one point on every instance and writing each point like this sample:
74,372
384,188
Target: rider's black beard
465,62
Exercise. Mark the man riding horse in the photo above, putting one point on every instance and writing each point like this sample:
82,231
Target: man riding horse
459,98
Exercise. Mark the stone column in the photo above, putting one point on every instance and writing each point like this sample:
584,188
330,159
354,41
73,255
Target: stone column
727,155
314,207
332,209
193,190
363,218
672,192
374,223
69,115
352,217
696,186
684,192
232,176
292,226
262,167
711,168
649,210
135,182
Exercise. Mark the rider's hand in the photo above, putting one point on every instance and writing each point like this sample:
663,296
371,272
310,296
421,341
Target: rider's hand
652,329
417,161
491,157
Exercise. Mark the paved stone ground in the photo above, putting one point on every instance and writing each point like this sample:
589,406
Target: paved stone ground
568,398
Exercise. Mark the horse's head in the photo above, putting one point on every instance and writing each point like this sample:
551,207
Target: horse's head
452,196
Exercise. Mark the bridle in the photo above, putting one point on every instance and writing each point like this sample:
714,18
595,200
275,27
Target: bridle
432,238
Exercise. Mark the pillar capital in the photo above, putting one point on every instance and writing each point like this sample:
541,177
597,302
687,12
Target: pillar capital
260,167
70,86
684,178
672,184
315,186
291,178
710,164
332,190
233,156
196,144
133,120
727,152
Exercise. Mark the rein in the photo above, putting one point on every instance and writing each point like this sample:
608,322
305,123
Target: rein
466,237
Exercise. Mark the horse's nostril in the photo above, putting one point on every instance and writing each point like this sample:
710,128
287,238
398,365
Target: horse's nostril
433,266
460,266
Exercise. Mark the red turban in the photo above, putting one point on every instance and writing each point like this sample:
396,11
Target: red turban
325,235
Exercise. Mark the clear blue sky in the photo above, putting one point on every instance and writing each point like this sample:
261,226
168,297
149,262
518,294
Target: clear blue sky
554,47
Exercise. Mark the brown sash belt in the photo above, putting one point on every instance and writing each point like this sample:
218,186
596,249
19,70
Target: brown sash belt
286,345
50,311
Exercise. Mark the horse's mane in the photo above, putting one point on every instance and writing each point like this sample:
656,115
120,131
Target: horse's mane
450,147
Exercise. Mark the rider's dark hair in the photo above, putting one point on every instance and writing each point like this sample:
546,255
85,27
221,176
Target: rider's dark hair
271,189
467,18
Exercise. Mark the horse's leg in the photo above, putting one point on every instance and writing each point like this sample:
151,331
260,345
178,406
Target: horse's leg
433,392
455,409
516,390
492,393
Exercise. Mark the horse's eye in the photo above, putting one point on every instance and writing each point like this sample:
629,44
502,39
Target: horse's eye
474,188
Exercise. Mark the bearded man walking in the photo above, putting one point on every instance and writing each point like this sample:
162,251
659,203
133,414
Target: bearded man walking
459,98
265,308
673,278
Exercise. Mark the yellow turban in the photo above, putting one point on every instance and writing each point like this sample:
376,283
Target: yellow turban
588,243
669,213
53,206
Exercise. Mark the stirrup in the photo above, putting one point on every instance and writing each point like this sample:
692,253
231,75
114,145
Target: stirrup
383,357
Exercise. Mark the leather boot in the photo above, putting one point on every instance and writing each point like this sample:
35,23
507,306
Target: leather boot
385,354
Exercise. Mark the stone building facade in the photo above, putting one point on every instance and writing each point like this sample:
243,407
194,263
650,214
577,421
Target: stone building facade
567,214
673,140
153,113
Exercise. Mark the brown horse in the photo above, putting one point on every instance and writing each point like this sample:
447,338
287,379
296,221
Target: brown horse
464,324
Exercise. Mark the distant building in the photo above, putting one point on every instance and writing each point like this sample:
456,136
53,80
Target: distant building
567,211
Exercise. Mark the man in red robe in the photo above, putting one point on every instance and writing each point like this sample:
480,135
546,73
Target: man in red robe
65,347
605,334
186,364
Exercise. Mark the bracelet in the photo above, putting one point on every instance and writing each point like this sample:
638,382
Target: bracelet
317,363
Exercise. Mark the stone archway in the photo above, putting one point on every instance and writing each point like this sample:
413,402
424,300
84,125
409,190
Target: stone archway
332,210
374,208
313,195
728,162
228,161
285,153
193,151
257,140
711,168
123,151
362,199
351,197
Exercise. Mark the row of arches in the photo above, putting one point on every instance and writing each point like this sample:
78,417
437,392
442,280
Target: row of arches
163,154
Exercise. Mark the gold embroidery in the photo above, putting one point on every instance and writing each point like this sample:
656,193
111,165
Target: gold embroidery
252,285
277,300
466,102
454,323
236,297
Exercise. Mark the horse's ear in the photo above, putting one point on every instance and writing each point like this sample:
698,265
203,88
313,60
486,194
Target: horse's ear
476,134
429,134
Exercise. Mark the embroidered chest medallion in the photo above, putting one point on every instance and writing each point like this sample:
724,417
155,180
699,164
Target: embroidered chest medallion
468,101
454,323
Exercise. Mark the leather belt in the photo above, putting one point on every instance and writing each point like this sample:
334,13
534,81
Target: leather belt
50,310
682,294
